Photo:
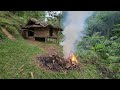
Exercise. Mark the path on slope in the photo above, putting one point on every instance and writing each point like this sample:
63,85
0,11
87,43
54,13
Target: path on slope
8,34
48,48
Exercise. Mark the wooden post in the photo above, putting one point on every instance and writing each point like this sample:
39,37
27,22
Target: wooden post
26,34
45,39
58,37
59,30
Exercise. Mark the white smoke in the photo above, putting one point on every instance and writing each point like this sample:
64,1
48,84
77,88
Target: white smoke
74,25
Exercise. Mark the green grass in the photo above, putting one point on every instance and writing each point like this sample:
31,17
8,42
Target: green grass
13,55
21,54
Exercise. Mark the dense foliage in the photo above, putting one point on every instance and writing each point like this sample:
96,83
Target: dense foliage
55,18
101,43
103,22
25,15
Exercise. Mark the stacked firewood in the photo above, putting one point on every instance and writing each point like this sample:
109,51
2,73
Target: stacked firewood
55,63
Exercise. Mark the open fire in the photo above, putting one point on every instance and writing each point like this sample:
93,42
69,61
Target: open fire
72,59
57,63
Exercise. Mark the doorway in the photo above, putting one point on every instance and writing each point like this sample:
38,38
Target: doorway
51,32
30,33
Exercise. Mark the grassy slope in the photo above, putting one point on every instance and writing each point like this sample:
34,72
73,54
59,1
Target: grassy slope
13,55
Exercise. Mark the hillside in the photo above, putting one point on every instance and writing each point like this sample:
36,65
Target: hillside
98,51
17,58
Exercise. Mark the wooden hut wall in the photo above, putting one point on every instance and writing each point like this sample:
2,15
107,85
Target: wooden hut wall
41,32
55,32
25,34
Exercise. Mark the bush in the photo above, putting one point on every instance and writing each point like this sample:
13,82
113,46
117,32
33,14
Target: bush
101,50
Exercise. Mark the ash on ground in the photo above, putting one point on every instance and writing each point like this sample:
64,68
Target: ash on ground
55,63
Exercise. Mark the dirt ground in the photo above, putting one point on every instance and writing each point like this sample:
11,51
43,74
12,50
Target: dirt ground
10,36
45,61
48,47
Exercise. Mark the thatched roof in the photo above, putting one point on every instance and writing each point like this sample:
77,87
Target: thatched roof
34,23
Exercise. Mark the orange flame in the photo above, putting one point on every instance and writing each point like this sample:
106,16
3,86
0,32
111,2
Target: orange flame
73,59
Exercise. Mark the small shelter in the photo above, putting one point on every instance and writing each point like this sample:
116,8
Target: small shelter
37,30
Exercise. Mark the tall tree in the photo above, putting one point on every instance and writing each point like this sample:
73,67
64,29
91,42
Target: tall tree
103,22
54,17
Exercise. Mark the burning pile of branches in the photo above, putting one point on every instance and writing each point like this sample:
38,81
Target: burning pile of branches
57,63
